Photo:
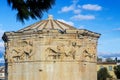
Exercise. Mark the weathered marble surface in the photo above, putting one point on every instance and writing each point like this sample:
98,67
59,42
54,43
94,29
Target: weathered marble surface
51,54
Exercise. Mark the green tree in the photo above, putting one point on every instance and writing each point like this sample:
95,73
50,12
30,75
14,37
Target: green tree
99,59
103,74
30,8
117,71
109,60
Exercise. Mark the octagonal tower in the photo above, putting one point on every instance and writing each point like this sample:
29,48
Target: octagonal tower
51,50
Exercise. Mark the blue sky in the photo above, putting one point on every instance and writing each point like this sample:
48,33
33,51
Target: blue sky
101,16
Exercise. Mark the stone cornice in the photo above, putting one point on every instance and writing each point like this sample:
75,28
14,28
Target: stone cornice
82,32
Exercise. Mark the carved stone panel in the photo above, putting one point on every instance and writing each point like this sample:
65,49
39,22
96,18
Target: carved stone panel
23,51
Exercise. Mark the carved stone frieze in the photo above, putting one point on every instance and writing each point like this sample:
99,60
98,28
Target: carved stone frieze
50,50
22,52
61,51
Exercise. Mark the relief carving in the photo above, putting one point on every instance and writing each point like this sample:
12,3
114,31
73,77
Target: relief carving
16,54
71,52
61,51
23,52
86,54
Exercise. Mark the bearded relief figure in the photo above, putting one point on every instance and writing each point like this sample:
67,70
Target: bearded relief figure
57,53
27,50
92,52
61,51
87,56
22,52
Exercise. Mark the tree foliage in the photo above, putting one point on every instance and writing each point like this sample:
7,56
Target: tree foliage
99,59
103,74
30,8
109,60
117,71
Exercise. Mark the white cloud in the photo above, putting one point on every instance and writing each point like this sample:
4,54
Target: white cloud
67,8
73,7
83,17
67,22
81,27
1,44
1,33
77,11
92,7
117,29
108,54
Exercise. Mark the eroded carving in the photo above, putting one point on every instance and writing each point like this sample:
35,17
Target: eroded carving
61,51
86,54
23,52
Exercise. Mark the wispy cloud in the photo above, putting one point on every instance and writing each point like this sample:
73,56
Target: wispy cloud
67,22
1,32
67,8
1,42
78,9
108,54
81,27
83,17
93,7
117,29
73,7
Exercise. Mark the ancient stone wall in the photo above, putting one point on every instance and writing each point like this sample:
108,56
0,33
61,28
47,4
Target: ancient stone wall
51,55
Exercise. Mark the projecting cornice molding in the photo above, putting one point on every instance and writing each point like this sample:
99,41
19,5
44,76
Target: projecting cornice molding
47,27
